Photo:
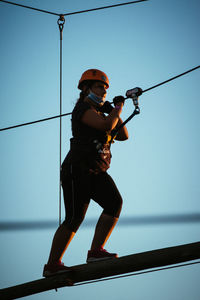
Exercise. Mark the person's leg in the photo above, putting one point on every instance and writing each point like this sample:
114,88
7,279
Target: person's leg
61,241
103,230
106,194
66,232
76,203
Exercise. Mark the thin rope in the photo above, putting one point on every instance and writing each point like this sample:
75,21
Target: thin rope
170,79
138,273
103,7
61,22
29,7
72,13
67,114
34,122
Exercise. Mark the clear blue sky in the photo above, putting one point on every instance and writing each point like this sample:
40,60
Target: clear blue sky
156,170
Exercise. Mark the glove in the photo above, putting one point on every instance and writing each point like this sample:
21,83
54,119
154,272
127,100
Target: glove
118,99
106,107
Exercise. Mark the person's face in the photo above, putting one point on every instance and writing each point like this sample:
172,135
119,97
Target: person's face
99,88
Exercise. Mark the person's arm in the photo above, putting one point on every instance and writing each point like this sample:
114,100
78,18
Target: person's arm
122,135
108,123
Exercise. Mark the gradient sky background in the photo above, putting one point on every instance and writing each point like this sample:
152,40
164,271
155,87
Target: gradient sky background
156,170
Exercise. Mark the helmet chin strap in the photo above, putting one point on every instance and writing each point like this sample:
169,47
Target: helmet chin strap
96,99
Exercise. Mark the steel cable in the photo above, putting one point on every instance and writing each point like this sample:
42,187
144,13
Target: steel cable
170,79
34,122
72,13
103,7
61,22
67,114
29,7
138,273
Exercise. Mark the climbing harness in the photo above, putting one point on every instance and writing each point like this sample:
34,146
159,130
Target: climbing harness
61,22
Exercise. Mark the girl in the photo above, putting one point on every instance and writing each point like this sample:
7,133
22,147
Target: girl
83,172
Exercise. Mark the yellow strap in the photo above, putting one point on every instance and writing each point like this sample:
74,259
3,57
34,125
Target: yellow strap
109,138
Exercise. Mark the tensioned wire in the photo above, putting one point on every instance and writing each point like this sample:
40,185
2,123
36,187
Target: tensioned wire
67,114
61,22
72,13
137,273
34,122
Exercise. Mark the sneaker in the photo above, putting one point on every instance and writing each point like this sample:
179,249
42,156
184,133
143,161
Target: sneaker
54,269
100,254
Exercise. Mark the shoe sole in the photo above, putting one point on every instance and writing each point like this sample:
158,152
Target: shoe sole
50,274
93,259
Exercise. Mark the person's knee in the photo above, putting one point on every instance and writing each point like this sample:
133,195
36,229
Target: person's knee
115,208
73,224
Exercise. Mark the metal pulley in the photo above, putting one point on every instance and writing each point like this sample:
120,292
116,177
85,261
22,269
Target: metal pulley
134,95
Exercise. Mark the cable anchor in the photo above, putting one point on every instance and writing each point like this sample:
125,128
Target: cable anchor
61,22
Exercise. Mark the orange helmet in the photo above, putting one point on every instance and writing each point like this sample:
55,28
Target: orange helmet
93,74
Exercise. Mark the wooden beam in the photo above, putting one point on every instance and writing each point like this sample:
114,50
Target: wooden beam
102,269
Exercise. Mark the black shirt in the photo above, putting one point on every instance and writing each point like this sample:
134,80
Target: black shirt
89,147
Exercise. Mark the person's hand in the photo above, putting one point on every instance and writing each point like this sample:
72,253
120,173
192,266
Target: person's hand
118,100
106,107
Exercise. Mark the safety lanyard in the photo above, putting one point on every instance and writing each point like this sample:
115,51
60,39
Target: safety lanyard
136,111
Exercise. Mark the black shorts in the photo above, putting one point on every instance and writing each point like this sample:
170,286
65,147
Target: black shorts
79,187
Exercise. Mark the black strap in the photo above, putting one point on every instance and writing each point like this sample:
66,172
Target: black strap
115,131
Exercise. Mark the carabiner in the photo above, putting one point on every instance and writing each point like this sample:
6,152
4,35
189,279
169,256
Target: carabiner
61,22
